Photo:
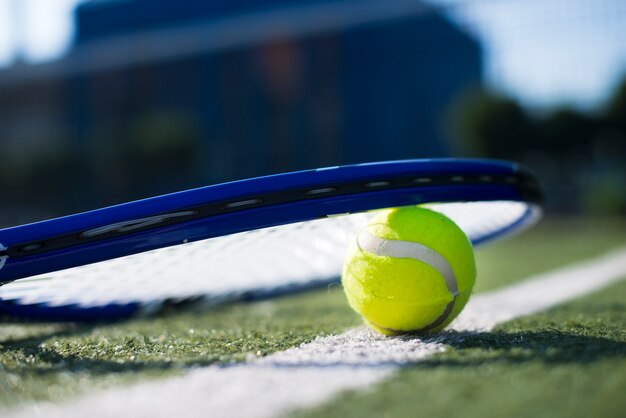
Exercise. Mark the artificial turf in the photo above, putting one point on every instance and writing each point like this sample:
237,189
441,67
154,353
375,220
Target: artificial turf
552,244
52,362
567,362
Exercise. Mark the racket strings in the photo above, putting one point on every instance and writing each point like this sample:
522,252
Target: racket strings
247,265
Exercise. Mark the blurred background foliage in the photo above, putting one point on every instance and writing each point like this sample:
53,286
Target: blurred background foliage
580,156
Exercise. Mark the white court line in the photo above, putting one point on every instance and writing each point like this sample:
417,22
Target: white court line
316,372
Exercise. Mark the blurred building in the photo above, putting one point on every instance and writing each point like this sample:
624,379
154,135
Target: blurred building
163,94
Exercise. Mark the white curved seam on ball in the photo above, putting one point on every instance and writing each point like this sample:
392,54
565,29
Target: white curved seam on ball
413,250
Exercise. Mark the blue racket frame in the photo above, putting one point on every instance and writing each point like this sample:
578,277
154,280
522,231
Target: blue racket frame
238,206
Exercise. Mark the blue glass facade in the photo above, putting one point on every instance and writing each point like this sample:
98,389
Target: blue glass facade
358,93
161,95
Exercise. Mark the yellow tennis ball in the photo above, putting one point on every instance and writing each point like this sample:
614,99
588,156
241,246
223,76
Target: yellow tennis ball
410,270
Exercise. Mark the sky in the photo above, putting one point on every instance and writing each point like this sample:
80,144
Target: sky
550,52
545,53
42,30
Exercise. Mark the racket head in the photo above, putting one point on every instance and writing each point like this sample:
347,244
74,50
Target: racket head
278,235
251,204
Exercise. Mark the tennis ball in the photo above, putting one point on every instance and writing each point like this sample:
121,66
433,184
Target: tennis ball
410,270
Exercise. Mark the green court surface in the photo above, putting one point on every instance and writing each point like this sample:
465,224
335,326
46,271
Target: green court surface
569,361
576,348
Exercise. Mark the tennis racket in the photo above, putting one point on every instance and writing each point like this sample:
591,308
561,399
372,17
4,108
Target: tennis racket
242,240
